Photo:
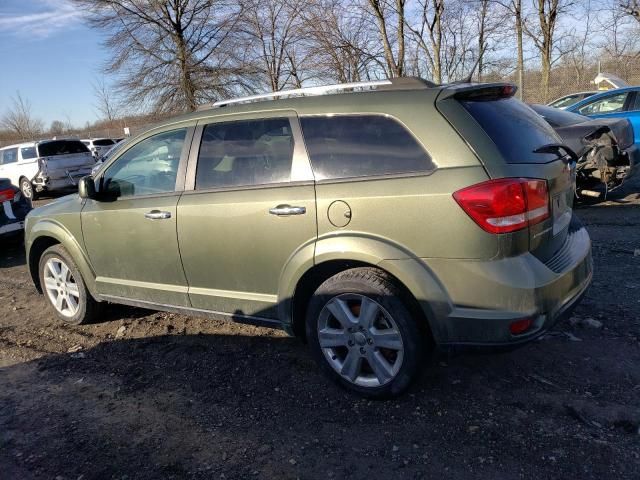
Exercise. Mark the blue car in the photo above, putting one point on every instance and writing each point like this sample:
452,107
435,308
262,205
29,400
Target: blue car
618,103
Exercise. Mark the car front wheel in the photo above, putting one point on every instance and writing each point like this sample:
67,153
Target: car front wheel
64,288
363,334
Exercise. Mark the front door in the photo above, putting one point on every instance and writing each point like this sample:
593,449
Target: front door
251,209
130,232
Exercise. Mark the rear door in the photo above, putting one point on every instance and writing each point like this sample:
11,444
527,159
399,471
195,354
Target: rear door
249,206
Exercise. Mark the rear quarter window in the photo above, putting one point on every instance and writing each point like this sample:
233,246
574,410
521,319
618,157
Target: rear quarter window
361,146
514,128
28,153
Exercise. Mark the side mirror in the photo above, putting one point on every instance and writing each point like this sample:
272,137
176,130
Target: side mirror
87,187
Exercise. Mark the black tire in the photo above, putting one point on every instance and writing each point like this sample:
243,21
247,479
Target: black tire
351,286
87,307
27,189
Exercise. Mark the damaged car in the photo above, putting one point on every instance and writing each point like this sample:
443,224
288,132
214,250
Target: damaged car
47,165
13,209
606,155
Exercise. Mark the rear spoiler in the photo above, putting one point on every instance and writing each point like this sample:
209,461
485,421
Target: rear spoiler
478,91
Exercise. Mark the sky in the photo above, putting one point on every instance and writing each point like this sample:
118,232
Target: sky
51,57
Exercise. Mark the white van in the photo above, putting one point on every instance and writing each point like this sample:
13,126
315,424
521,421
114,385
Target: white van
48,165
98,146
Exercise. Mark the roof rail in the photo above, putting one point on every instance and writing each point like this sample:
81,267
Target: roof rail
400,83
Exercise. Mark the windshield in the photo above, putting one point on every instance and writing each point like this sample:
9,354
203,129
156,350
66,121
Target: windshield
558,118
61,147
514,128
103,143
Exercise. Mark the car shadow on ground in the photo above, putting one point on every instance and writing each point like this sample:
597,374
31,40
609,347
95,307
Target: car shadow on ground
236,406
12,252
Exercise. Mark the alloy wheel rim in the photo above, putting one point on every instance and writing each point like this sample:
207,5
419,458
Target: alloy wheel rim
27,190
61,287
360,340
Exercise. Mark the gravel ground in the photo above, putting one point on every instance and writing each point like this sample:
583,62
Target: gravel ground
154,395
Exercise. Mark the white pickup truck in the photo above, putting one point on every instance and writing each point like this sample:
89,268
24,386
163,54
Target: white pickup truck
47,165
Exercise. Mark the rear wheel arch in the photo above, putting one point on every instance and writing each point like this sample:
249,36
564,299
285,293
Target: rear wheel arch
318,274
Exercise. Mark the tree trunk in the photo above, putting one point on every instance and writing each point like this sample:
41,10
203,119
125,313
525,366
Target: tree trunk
517,6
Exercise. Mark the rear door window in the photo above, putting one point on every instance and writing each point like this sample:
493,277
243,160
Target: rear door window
245,153
61,147
514,128
361,146
609,104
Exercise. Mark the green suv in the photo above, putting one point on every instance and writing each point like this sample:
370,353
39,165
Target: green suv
376,221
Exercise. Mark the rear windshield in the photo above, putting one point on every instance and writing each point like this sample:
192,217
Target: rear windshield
514,128
61,147
103,143
558,118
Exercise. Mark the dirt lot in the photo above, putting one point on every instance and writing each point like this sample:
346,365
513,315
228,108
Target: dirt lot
155,395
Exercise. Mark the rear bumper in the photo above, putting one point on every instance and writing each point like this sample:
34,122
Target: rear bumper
489,296
61,180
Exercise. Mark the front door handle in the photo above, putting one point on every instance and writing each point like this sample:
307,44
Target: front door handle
157,215
286,210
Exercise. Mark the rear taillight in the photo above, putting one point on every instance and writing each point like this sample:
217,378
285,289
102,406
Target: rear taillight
507,204
6,195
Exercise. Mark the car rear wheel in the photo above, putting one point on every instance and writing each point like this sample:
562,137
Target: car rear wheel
363,334
64,287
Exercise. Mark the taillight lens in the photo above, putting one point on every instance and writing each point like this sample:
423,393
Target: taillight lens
6,195
507,204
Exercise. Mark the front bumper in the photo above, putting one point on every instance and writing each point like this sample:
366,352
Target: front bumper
489,296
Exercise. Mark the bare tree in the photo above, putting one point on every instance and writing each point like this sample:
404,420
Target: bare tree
632,7
341,43
445,35
390,16
106,102
56,128
543,34
429,35
274,30
20,120
170,54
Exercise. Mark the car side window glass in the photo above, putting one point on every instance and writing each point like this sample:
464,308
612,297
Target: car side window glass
361,145
609,104
9,155
636,104
28,153
245,153
148,168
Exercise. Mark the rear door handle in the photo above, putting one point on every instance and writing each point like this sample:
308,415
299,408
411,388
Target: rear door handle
286,210
157,215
